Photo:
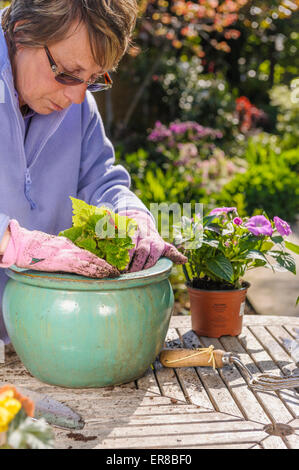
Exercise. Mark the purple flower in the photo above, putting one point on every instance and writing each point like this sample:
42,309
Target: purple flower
159,133
282,226
237,221
223,210
259,225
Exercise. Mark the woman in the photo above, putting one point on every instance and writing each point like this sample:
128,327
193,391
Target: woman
52,140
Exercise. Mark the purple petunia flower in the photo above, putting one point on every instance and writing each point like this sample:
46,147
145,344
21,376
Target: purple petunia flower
259,225
223,210
237,221
282,226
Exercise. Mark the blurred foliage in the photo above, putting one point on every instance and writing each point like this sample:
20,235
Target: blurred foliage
239,77
270,183
245,47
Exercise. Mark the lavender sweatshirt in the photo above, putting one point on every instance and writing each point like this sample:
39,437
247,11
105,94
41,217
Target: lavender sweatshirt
61,154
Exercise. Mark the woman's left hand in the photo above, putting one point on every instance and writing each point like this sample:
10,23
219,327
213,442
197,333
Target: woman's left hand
149,245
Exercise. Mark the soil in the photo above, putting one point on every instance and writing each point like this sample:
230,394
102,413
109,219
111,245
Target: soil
207,284
79,437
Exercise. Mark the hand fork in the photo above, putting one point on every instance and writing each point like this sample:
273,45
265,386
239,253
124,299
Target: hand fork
203,357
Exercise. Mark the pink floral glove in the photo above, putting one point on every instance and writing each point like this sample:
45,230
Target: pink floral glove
149,245
43,252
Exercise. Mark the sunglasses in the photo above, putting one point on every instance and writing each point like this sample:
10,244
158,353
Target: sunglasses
71,80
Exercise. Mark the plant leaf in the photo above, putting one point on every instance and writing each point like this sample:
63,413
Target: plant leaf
221,267
211,242
285,260
292,247
255,254
102,232
72,233
277,239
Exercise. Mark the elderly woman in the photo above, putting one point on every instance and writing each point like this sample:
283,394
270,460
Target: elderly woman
53,53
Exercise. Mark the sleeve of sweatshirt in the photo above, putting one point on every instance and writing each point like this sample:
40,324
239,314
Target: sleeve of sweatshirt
4,221
101,182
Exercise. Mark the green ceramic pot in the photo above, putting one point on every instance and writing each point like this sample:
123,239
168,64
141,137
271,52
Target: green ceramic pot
75,331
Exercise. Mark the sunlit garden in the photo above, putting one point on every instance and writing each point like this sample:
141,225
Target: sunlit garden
205,106
142,302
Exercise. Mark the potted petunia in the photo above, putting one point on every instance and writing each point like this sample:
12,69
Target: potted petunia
221,247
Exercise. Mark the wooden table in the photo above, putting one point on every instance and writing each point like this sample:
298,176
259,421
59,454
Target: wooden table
187,408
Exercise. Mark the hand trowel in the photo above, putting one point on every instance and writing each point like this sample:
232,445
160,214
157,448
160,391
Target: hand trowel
54,412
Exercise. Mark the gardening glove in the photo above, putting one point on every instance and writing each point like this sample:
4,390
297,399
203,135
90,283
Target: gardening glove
44,252
149,245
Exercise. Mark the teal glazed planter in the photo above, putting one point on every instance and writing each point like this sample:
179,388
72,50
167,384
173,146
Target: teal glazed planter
76,332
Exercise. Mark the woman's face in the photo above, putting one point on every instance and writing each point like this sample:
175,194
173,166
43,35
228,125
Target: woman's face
35,81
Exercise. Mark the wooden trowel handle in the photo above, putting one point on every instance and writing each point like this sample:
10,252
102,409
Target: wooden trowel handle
191,358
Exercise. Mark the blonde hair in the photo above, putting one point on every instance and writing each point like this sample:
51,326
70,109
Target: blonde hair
109,23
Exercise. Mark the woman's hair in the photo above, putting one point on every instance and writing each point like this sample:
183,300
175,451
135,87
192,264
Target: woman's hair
109,23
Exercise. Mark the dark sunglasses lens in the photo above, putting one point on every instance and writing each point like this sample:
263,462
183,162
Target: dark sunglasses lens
98,87
66,79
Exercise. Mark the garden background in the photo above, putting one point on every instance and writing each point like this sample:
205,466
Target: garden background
204,108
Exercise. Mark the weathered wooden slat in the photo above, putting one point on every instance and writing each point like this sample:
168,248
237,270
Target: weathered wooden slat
284,339
292,330
2,352
212,381
186,417
243,396
148,382
295,424
282,360
178,439
189,381
234,446
273,442
184,321
203,431
272,346
270,401
292,441
167,379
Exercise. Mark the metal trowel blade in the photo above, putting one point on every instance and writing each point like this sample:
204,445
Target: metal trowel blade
53,411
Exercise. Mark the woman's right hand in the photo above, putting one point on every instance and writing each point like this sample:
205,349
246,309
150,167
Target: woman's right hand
41,251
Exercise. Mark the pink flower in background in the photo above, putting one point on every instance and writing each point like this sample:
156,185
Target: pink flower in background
259,225
237,221
282,226
223,210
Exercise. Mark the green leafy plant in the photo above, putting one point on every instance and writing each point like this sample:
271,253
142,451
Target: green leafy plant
221,247
270,183
102,232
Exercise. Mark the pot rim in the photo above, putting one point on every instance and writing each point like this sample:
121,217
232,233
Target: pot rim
161,270
219,290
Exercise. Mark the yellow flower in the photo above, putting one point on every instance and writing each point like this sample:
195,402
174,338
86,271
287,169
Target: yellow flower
9,407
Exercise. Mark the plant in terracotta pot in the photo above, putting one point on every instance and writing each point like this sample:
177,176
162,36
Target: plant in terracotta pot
221,247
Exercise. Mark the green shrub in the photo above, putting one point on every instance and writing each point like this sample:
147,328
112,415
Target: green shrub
270,187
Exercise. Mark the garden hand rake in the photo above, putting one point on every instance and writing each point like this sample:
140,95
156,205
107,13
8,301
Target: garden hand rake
217,359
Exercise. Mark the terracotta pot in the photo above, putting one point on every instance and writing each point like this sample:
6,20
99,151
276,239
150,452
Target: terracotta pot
216,313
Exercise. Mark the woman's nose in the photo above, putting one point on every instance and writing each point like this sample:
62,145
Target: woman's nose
75,94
